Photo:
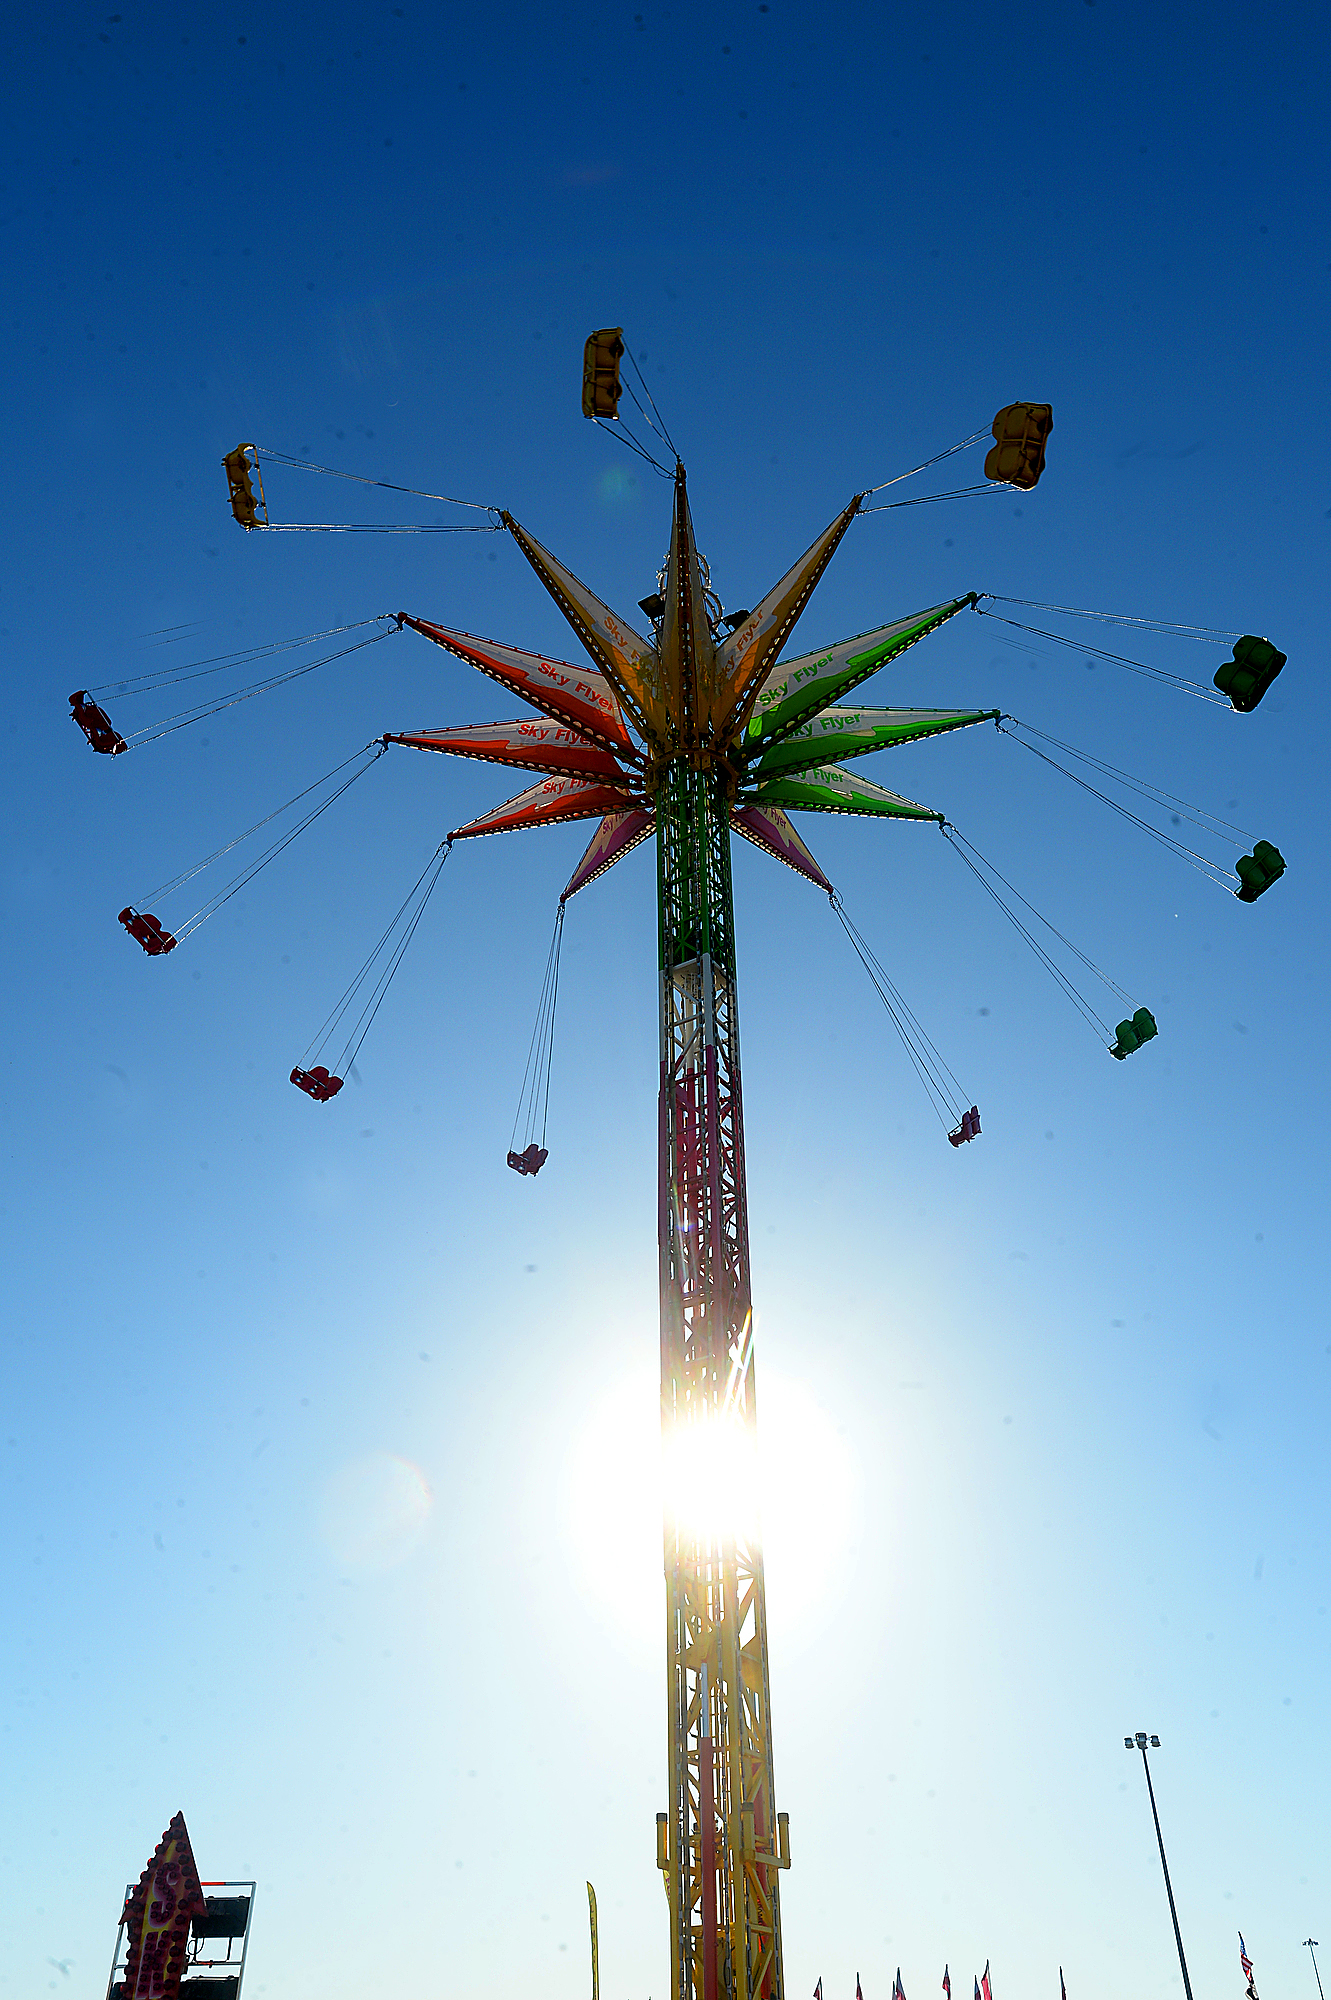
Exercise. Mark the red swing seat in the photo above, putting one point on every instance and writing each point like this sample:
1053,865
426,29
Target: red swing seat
968,1129
148,932
316,1083
96,725
529,1161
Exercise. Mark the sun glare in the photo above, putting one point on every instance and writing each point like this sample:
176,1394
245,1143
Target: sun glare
710,1478
797,1487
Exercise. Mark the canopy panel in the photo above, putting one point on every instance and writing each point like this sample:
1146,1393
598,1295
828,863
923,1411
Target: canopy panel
752,646
552,800
767,827
568,693
688,651
837,733
796,689
533,745
612,840
629,662
827,789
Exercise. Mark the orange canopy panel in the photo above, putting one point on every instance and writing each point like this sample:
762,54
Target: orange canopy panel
570,694
536,744
552,800
754,645
628,661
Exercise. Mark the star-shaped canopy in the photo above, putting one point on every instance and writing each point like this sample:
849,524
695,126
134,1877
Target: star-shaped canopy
704,687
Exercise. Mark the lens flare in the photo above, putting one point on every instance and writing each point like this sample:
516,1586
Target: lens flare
618,487
375,1511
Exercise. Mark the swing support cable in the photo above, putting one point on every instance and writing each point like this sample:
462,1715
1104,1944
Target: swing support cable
941,1086
382,527
669,441
1180,681
389,485
412,909
534,1097
372,752
1213,870
203,710
619,429
1209,635
1208,822
982,869
962,444
928,499
217,663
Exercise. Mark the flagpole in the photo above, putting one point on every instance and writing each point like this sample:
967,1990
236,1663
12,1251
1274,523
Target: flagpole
1140,1744
1310,1942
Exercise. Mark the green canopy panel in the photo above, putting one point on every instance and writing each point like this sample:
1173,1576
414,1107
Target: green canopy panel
796,689
827,789
837,733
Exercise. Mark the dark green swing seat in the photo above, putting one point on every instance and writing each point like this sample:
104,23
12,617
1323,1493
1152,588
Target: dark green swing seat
1249,674
1258,870
1131,1034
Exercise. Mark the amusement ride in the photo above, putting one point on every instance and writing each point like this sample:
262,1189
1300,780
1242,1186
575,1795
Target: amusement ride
695,729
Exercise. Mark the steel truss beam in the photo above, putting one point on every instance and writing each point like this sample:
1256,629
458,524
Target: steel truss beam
721,1844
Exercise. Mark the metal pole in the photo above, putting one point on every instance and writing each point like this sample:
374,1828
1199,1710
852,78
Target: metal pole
1178,1935
1310,1942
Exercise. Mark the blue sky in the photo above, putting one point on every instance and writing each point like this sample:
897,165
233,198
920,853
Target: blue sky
331,1496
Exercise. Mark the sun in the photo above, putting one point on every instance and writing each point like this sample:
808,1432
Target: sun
795,1485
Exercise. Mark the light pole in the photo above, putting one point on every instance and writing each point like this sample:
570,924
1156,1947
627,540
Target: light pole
1310,1942
1139,1742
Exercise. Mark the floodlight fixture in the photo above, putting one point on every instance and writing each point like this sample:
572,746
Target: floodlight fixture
1140,1742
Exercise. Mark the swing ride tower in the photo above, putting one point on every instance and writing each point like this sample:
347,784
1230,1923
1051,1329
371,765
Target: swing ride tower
720,1843
717,1843
698,732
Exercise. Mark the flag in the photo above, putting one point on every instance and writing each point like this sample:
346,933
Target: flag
596,1955
947,1983
985,1987
977,1990
818,1990
858,1994
901,1991
1062,1984
1244,1959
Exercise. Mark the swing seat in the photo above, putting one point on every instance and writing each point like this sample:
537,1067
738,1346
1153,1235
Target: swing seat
530,1161
96,725
1249,674
1022,431
148,932
1129,1035
1258,870
317,1083
968,1129
250,510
